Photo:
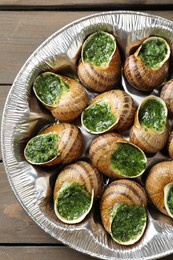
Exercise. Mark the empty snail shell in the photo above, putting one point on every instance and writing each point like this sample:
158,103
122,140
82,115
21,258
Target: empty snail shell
170,145
116,157
113,109
63,96
148,67
100,65
58,143
122,209
167,95
159,186
150,130
75,189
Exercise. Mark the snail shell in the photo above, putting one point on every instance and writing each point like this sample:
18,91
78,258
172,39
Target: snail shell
65,97
158,182
68,145
140,75
167,95
170,145
82,173
122,109
100,77
120,192
148,139
116,157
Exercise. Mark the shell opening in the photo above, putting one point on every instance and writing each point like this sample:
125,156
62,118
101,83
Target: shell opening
73,203
168,199
98,49
128,160
128,223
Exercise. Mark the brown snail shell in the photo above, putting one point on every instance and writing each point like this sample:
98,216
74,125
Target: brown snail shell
167,95
149,140
158,179
100,78
69,144
170,145
121,192
82,173
122,108
101,153
141,76
70,104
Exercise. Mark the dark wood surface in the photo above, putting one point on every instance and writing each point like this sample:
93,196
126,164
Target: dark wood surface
22,30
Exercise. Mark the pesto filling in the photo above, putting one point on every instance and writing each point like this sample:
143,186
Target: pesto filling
128,222
42,148
73,201
98,117
99,49
153,115
128,160
49,87
153,53
170,200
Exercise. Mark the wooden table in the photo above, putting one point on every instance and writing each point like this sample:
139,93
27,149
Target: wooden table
24,25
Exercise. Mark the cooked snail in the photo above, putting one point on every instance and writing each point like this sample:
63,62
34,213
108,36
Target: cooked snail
114,109
59,143
167,95
123,211
148,67
100,65
116,157
150,129
75,189
170,145
63,96
159,186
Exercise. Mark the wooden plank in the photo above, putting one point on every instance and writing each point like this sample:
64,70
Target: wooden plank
80,2
22,32
16,225
46,253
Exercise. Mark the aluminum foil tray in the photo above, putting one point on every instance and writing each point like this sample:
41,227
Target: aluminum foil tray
23,117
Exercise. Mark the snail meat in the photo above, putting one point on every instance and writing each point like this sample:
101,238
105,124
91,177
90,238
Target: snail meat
116,157
63,96
159,187
59,143
100,65
148,67
150,129
75,189
113,109
123,211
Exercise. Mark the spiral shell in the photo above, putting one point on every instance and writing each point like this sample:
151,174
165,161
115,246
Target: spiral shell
122,109
149,139
126,192
170,145
100,77
140,75
68,144
63,96
82,173
167,95
158,181
116,157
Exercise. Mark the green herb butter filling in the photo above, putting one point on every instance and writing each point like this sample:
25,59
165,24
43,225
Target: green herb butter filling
98,118
128,222
153,53
128,160
170,199
73,201
153,115
99,48
42,148
49,87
